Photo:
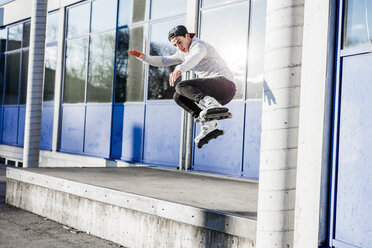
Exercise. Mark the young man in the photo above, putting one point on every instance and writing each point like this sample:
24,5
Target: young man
213,88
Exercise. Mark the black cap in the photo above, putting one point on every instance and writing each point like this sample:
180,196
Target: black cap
179,30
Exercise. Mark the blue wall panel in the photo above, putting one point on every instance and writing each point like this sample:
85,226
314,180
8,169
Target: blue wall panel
133,132
354,183
72,128
252,141
47,126
21,125
224,154
117,131
98,130
162,133
10,124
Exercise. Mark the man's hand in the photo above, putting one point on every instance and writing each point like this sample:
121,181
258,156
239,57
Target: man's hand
136,53
173,77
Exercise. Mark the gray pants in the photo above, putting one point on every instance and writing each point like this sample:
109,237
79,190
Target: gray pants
189,92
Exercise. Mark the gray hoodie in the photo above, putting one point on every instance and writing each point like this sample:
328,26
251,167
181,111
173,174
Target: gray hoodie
202,59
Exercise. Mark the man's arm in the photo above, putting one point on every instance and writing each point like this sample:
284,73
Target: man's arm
159,61
198,52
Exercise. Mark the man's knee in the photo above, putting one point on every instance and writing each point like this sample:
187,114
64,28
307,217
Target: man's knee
179,87
176,96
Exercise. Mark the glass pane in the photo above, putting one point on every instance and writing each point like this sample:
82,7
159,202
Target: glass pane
131,11
24,76
75,74
12,78
26,34
208,3
50,72
232,45
52,27
101,67
129,80
256,49
78,20
3,36
159,45
15,37
2,71
161,8
358,23
103,15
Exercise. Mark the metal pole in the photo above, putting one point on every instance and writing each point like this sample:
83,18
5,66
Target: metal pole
280,119
34,101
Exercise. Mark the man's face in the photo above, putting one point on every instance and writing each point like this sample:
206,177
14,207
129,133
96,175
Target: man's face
182,43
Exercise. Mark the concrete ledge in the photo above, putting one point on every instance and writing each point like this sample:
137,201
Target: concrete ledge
125,218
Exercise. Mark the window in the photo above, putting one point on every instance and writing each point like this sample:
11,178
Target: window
50,72
75,70
229,36
16,56
358,23
51,55
26,34
130,72
15,37
101,67
52,27
239,41
12,78
2,68
103,15
24,75
78,21
131,11
91,24
163,8
256,49
3,37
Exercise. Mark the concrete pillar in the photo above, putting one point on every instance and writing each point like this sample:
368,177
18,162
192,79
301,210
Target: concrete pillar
315,123
34,101
280,119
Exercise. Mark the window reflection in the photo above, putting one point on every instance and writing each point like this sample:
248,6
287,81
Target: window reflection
3,36
101,67
129,81
103,15
161,8
131,11
208,3
50,72
229,37
358,23
75,72
26,34
24,76
256,49
12,78
2,72
15,37
159,45
78,20
52,28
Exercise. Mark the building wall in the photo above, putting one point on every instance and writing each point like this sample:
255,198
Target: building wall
129,125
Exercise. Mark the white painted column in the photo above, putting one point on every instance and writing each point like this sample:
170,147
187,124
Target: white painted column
34,101
58,80
315,123
280,117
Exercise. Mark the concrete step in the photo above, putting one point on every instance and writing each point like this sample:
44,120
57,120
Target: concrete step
140,207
